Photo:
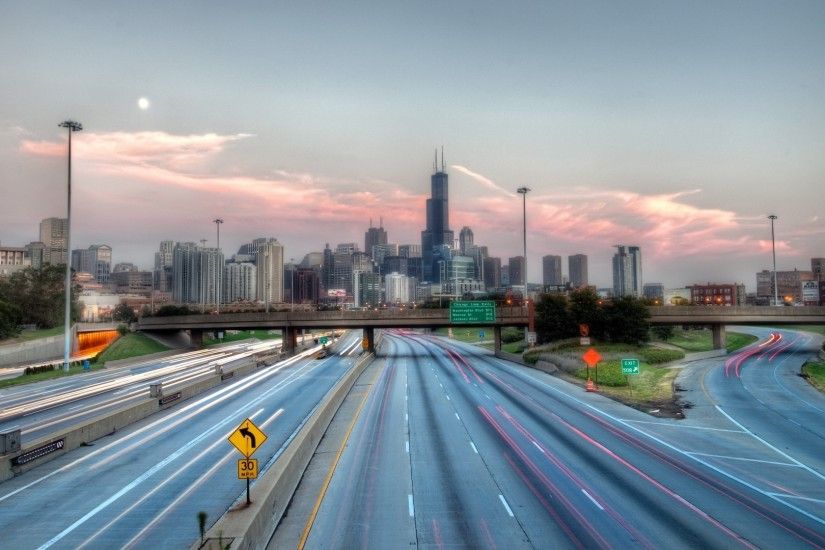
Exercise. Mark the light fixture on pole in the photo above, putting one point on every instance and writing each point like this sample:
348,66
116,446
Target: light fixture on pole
72,126
218,222
523,192
773,217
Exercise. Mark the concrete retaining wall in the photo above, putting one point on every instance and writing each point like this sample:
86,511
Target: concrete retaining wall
252,526
33,351
513,357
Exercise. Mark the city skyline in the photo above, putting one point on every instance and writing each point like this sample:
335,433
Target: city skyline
678,141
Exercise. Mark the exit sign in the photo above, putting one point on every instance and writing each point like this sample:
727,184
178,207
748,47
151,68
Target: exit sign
630,366
473,312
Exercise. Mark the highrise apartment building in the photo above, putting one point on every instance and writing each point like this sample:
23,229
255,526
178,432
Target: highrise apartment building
515,271
54,234
577,270
627,271
437,232
551,270
163,266
184,268
240,282
269,276
492,273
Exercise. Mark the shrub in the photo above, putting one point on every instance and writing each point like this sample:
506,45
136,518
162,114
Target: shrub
41,368
512,334
655,356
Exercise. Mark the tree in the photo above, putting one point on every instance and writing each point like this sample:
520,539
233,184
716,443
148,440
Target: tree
552,319
628,320
585,308
124,313
38,294
9,320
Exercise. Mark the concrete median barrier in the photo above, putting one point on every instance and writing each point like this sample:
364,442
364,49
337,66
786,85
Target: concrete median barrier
246,527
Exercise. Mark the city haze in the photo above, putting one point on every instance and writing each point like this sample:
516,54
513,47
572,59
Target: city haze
672,128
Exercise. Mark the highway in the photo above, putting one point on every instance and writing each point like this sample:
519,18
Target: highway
144,486
454,448
45,407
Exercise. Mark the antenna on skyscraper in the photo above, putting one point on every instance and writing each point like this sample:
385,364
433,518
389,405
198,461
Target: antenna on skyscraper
442,159
381,222
370,223
435,162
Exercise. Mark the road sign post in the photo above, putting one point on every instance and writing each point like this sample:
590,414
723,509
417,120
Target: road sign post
247,438
592,358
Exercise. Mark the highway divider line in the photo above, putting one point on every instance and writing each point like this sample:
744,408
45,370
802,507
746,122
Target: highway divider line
246,527
328,478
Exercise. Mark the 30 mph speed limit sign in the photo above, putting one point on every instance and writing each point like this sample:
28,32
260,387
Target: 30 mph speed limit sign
248,468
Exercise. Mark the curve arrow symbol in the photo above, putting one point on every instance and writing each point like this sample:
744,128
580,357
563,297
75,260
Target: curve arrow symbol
246,433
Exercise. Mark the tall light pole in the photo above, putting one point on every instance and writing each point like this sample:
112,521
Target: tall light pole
218,222
292,273
773,217
72,126
523,192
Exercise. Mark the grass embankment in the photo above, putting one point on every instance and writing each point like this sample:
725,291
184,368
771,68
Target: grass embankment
702,340
28,335
133,344
651,389
814,372
48,375
469,335
238,335
818,329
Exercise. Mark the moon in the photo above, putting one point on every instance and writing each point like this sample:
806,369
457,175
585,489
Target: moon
143,103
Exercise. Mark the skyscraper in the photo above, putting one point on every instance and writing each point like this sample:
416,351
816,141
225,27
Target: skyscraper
515,271
465,240
269,276
492,273
551,270
239,282
577,270
183,273
54,234
374,236
163,266
627,271
437,231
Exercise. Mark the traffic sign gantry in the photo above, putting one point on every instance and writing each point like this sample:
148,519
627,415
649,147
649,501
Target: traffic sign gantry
247,438
473,312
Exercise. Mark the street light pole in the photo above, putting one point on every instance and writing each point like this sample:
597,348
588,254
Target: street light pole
773,217
218,222
523,192
72,126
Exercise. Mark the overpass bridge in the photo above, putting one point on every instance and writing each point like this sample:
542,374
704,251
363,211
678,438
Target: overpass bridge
290,322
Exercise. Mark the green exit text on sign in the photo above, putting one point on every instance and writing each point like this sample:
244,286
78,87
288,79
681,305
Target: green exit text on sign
473,312
630,366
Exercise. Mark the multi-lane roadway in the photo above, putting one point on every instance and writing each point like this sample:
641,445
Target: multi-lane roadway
455,448
144,486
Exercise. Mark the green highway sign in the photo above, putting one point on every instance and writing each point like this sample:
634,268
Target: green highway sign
473,312
324,340
630,366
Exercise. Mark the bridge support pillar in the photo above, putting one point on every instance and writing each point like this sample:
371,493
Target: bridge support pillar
719,336
196,338
290,340
368,343
497,338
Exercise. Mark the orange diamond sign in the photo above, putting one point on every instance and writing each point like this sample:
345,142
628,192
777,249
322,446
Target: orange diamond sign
591,357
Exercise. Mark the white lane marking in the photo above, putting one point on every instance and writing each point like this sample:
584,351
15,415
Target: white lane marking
407,446
121,392
537,446
76,407
669,425
811,499
474,447
406,417
786,455
593,500
664,443
726,457
458,417
410,507
506,506
448,397
442,385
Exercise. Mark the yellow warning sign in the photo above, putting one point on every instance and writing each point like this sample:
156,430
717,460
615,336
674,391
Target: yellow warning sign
247,438
248,468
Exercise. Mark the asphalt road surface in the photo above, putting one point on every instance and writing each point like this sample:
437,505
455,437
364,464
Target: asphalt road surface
454,448
144,486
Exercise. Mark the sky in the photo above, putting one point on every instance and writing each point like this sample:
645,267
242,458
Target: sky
676,127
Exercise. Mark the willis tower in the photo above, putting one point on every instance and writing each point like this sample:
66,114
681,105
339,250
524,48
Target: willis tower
438,231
